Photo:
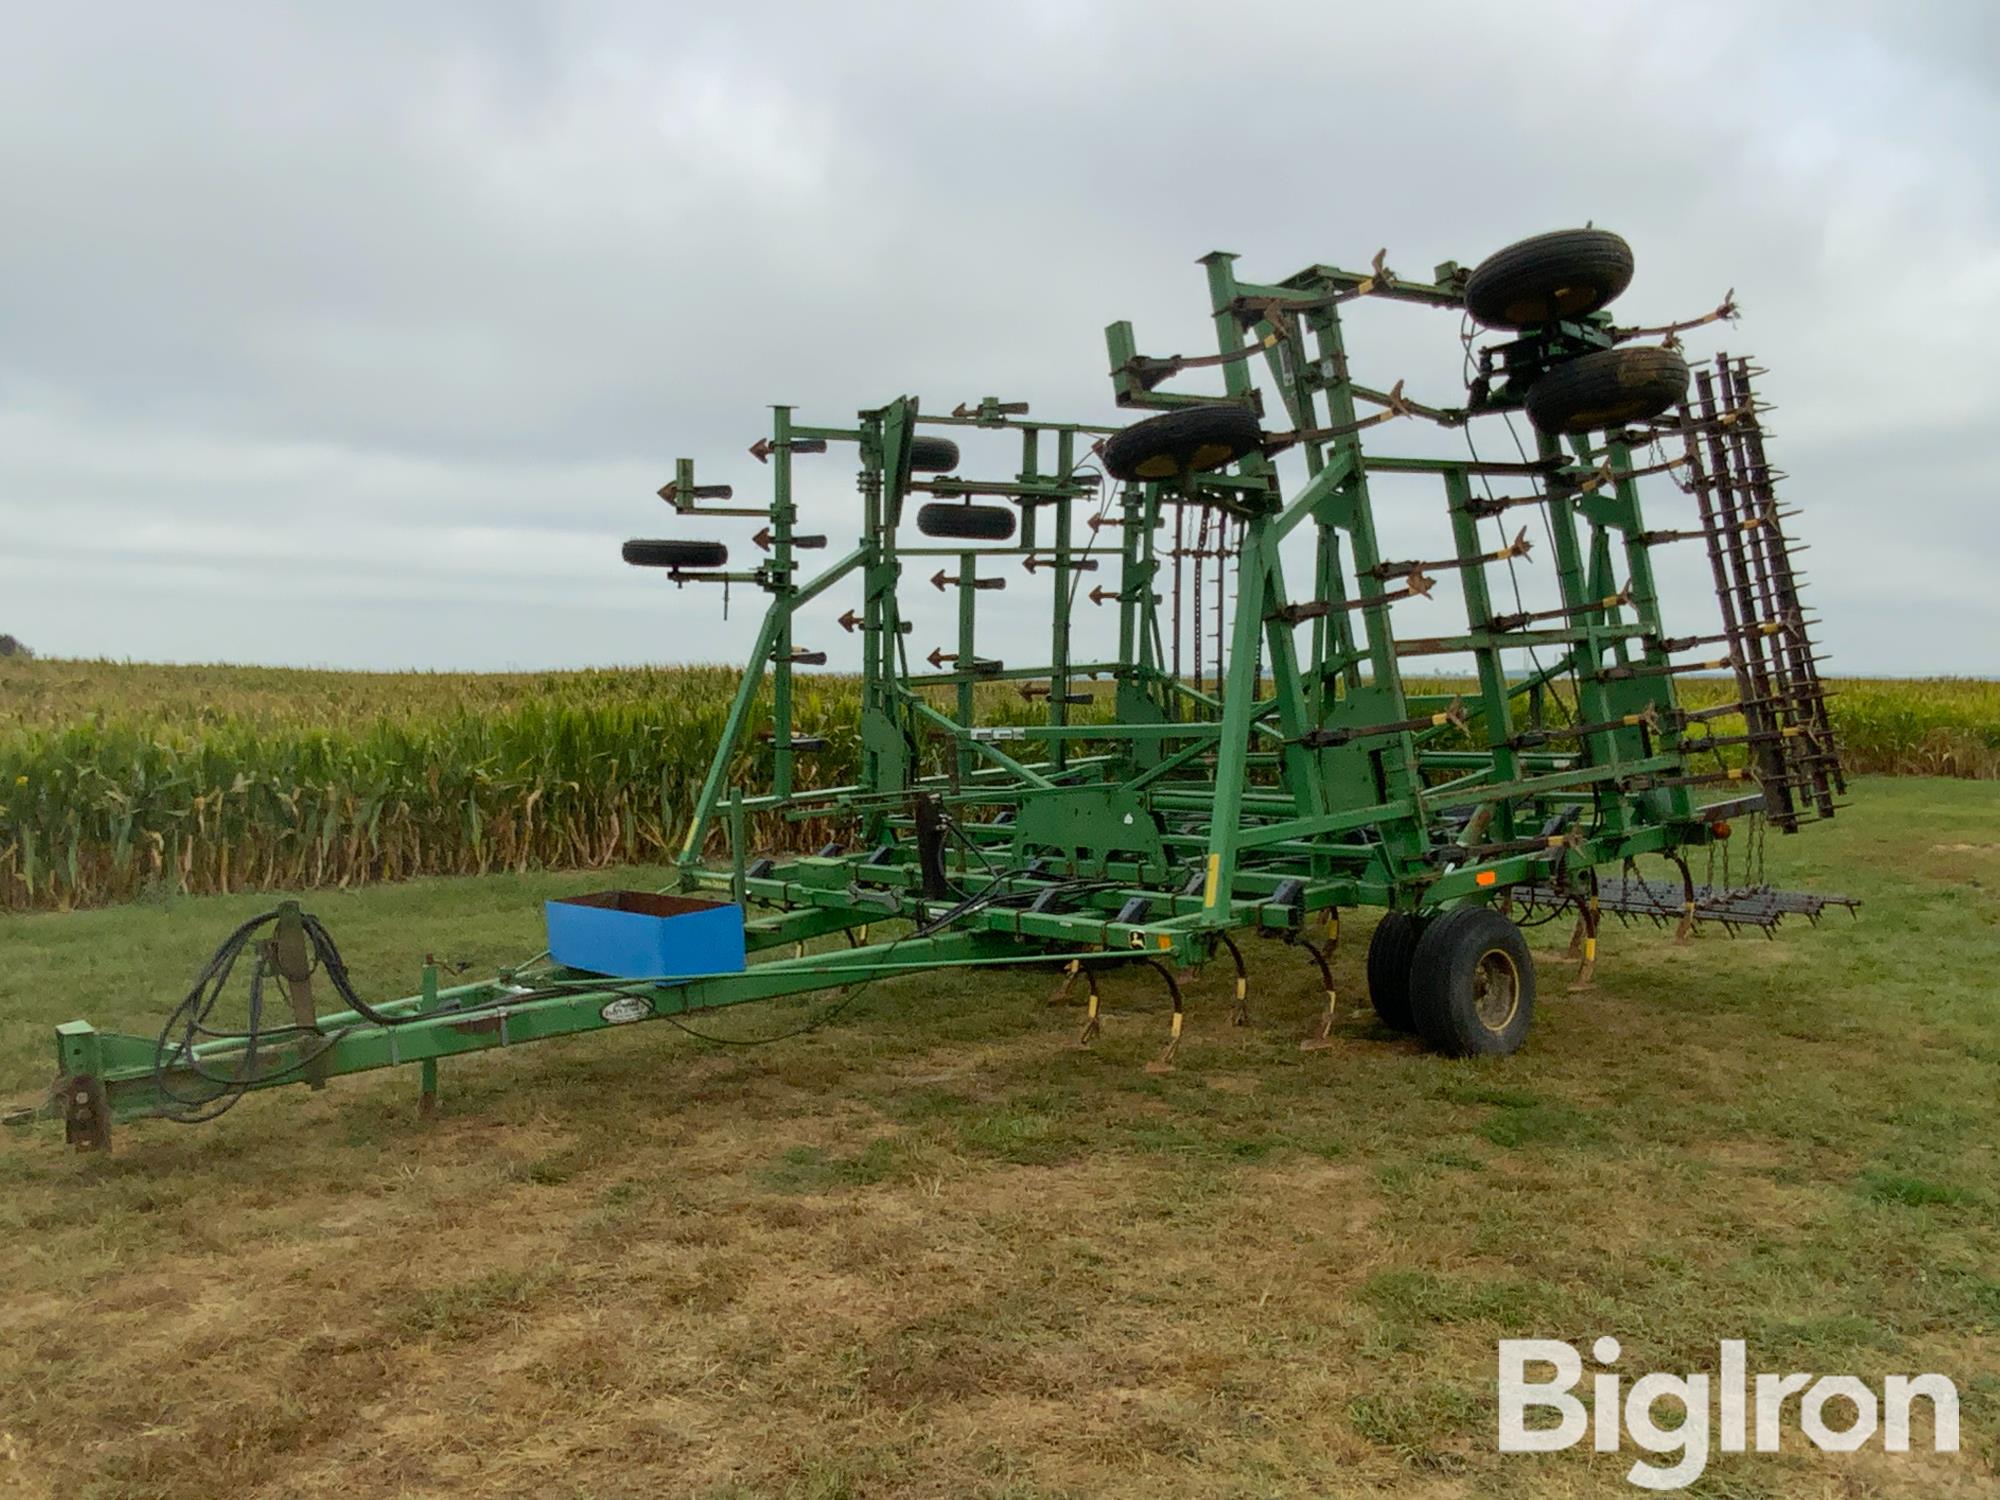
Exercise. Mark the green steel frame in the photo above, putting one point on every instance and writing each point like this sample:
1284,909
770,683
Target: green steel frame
1286,777
1155,818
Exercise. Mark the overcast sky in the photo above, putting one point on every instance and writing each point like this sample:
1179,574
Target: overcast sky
362,334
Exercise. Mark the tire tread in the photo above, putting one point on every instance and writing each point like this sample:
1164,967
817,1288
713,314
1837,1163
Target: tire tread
1188,438
971,523
1607,388
1519,286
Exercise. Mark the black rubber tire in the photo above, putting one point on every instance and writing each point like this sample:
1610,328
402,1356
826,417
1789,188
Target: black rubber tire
933,455
1607,389
971,523
1389,953
1191,440
1566,274
664,554
1445,990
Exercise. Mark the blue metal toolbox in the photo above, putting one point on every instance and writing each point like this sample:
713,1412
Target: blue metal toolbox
640,935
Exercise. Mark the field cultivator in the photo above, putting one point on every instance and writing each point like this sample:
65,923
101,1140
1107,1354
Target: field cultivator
1243,754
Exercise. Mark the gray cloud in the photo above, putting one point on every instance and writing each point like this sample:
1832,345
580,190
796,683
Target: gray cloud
363,334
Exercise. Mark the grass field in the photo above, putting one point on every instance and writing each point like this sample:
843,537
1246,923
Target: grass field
118,781
935,1249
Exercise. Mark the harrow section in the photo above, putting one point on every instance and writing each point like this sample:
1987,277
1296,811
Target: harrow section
1685,906
1765,625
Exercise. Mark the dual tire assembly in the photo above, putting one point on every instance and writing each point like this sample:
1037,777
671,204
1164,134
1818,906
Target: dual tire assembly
1463,980
1573,273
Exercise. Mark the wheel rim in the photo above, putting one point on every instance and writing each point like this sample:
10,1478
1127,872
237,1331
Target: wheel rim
1496,989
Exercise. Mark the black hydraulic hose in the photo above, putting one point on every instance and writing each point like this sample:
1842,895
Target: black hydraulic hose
189,1019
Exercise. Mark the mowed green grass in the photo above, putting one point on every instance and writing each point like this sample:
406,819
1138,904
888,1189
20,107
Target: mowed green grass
934,1248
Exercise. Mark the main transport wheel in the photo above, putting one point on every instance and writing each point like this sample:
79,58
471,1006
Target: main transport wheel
1472,984
1389,953
658,554
1607,389
933,455
972,523
1192,440
1562,275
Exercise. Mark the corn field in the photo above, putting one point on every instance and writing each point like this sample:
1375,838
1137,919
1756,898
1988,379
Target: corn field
121,780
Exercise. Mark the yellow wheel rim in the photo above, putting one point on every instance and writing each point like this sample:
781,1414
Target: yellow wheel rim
1496,989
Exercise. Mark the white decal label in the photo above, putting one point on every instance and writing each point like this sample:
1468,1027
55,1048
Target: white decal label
626,1008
